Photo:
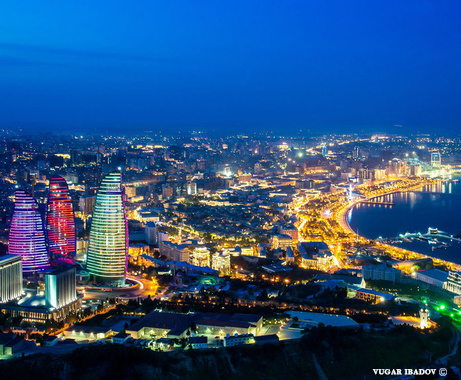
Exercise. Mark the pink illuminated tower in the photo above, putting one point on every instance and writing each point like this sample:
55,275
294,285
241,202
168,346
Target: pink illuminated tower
60,222
27,234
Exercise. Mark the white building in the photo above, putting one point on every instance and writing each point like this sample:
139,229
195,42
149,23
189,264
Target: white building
290,256
191,188
201,257
282,241
198,342
453,283
10,277
174,252
381,272
151,233
423,318
221,262
235,340
248,251
435,277
61,287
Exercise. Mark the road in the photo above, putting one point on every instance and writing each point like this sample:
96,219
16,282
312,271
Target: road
143,288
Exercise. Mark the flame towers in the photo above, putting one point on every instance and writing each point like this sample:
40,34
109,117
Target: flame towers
60,222
108,247
27,234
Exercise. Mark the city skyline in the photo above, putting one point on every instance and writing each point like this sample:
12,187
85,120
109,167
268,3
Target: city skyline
231,190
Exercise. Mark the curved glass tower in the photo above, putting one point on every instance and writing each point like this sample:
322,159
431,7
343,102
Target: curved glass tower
60,222
108,249
27,234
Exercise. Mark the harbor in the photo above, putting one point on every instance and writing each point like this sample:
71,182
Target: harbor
436,238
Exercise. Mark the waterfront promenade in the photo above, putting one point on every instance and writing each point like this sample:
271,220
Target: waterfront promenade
396,252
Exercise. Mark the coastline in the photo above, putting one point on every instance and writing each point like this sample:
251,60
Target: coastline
342,219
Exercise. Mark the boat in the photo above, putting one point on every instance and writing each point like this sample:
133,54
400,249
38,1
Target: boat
432,231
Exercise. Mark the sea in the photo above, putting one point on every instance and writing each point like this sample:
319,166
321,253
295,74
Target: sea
437,206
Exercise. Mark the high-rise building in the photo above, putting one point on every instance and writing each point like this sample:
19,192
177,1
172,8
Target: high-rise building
221,262
356,153
324,150
74,156
60,287
151,233
86,204
201,257
436,159
191,188
27,234
10,277
60,222
108,248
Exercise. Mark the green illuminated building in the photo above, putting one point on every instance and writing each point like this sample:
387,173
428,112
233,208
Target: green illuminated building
108,248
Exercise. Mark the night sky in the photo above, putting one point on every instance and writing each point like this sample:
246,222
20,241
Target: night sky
319,66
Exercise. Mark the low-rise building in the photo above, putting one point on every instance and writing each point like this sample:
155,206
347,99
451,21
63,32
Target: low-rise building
291,231
121,338
236,340
308,262
267,339
290,256
50,341
222,324
137,249
89,333
247,251
282,241
198,342
313,247
434,277
453,283
381,272
161,325
372,296
174,252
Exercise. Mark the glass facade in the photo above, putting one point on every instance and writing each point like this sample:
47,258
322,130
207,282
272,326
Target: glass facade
60,222
107,257
27,234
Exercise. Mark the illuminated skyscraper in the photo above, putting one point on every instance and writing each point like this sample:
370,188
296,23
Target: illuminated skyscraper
324,150
108,248
60,222
27,234
436,159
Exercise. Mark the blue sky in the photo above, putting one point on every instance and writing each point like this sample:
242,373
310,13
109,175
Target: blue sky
323,66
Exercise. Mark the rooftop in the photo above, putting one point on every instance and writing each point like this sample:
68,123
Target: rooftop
327,319
198,339
436,274
160,320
